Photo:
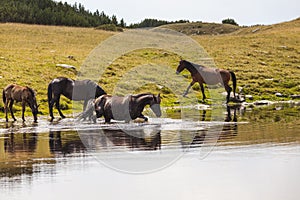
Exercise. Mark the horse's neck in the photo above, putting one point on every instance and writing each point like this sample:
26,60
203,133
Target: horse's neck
193,68
144,100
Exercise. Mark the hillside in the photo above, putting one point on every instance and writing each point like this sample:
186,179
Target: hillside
265,58
201,28
266,61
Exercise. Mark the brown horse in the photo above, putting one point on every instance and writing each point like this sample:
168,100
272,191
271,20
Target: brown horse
17,93
122,108
210,76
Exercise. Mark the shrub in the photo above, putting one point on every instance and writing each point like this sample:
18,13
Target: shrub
229,21
110,27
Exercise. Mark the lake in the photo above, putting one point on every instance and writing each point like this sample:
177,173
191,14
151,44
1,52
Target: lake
243,153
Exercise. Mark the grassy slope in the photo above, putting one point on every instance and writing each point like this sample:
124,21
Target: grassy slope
29,54
266,61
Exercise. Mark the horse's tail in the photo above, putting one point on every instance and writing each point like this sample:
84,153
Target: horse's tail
233,77
49,93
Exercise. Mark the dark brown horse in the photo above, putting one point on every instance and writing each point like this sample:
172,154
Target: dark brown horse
210,76
17,93
122,108
73,90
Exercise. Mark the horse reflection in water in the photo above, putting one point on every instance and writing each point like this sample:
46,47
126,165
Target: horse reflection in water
69,146
228,131
122,140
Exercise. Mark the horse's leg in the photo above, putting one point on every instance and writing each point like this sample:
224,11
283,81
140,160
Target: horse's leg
188,88
23,110
51,104
58,107
202,90
107,119
228,90
85,104
6,109
11,109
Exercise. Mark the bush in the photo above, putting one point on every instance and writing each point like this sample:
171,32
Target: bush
110,27
229,21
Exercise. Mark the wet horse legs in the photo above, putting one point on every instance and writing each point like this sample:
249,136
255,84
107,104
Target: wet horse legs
228,90
51,104
23,110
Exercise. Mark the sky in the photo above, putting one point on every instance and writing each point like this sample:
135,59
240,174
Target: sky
249,12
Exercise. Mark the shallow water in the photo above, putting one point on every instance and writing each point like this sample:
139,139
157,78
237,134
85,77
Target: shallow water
248,153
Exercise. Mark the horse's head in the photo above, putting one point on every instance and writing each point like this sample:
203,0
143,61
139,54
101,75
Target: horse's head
155,105
31,101
99,105
180,67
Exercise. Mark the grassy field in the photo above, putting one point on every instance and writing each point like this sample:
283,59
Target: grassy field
266,59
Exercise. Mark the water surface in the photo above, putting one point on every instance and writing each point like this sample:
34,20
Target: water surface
253,153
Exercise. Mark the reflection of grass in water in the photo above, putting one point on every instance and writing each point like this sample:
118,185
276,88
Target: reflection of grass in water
277,113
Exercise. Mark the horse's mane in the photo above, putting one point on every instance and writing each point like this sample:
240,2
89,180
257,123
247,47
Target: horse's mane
193,64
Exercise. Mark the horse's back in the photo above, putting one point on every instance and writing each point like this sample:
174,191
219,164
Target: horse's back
17,92
61,85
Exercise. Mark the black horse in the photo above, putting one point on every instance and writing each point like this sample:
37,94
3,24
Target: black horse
122,108
73,90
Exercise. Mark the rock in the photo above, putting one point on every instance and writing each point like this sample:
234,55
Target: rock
295,96
255,30
278,94
263,63
66,66
269,79
248,96
262,102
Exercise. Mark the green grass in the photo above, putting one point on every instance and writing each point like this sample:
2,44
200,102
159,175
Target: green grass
266,60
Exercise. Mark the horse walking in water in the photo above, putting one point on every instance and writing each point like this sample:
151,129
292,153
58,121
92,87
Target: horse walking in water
123,108
73,90
210,76
17,93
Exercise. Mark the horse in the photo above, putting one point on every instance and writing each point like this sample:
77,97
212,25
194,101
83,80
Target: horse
122,108
72,89
17,93
210,76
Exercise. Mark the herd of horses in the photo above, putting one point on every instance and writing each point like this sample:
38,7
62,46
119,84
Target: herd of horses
96,100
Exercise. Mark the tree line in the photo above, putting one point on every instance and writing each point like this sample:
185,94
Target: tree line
154,23
49,12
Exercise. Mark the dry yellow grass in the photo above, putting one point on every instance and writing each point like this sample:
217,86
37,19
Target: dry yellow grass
266,59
